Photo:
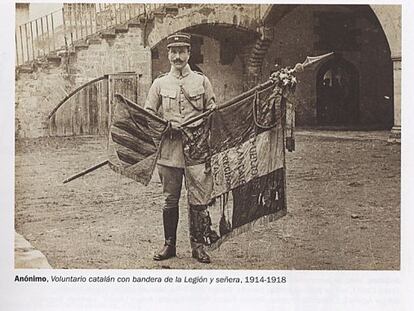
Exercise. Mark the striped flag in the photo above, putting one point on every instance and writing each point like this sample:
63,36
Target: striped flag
134,139
235,162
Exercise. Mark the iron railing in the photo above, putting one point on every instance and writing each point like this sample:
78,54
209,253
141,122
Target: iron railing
74,22
39,37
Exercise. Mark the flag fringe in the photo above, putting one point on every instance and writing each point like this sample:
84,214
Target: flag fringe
264,220
143,180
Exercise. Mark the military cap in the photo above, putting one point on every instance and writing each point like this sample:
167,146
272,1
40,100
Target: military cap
178,39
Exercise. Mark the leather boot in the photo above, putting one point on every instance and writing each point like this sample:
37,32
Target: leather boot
170,221
168,251
200,223
200,254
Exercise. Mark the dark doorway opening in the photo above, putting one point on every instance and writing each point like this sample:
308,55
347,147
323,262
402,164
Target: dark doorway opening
337,93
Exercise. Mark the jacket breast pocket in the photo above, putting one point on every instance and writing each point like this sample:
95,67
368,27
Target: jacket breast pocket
197,98
168,98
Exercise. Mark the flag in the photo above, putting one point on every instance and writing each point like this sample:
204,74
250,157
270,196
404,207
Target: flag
235,162
134,139
234,157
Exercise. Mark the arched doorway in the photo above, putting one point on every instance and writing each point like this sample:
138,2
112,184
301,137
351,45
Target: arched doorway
354,33
337,88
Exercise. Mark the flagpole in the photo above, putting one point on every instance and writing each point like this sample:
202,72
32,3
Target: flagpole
230,102
299,67
88,170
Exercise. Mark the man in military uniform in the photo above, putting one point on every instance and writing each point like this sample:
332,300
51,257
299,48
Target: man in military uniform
179,96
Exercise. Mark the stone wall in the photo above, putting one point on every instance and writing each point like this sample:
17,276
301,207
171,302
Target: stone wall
124,49
120,53
294,37
43,87
36,94
243,16
390,18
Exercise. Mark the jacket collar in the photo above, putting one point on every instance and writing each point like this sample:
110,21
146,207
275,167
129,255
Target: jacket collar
184,72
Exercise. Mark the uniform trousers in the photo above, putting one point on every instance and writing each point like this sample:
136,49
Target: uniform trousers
199,220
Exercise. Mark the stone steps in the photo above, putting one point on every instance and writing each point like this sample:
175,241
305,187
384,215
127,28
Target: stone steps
55,58
257,54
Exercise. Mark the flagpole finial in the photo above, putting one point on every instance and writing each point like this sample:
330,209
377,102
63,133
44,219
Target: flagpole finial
310,60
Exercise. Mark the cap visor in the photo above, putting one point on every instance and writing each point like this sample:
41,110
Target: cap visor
177,44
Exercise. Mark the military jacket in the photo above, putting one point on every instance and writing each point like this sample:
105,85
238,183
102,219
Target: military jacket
177,97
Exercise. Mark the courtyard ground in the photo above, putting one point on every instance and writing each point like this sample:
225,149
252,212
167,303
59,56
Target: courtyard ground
343,194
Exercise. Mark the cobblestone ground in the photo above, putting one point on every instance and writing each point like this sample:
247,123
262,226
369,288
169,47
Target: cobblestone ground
343,209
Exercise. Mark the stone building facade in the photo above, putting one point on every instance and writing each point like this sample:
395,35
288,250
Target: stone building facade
237,46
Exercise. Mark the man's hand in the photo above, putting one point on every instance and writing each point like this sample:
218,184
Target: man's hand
174,127
213,106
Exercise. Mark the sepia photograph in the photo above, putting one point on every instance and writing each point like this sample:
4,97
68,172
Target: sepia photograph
207,136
